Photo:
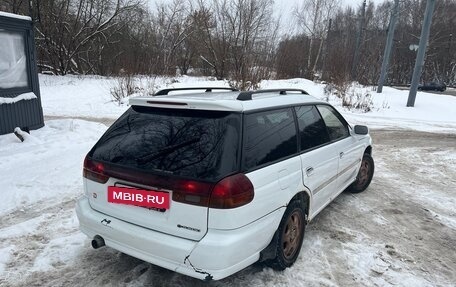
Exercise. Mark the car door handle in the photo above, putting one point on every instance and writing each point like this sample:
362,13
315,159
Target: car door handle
309,171
341,154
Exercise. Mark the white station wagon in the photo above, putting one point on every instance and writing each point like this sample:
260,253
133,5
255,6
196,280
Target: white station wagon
207,183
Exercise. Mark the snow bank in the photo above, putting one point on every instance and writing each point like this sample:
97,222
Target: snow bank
21,97
48,165
432,112
89,96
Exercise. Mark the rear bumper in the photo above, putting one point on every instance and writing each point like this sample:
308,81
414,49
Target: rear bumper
219,254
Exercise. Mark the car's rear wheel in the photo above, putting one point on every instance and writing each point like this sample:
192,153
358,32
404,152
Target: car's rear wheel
289,237
365,174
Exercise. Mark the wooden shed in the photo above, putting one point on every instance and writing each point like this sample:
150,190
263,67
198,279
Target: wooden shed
20,99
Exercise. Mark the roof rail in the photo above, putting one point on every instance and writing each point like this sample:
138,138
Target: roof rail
247,95
165,92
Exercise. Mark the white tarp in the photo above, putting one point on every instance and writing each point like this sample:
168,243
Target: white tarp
13,64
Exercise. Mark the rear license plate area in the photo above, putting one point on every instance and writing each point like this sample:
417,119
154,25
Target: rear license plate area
152,199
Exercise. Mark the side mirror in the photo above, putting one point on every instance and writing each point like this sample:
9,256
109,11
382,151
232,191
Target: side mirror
361,130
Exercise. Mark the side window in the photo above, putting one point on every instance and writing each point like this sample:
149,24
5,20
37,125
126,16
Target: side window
336,127
268,136
312,129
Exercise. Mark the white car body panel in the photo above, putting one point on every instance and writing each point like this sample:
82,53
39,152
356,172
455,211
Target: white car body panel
220,242
274,186
219,254
166,222
323,178
350,156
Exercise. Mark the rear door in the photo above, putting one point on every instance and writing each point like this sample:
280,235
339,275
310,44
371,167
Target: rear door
178,153
319,158
271,162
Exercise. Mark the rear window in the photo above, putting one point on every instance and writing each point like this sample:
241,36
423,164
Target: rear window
188,143
268,137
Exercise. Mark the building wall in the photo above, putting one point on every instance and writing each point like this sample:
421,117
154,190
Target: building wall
24,113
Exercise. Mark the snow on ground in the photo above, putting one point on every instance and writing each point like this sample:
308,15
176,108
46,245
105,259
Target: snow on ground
47,165
78,96
400,232
90,97
432,112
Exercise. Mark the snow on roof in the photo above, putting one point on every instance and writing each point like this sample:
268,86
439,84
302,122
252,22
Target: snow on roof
11,15
21,97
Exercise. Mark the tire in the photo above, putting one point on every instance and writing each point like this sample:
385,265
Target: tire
365,174
289,237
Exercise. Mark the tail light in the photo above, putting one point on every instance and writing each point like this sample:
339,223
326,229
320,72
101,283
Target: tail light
232,192
94,171
192,192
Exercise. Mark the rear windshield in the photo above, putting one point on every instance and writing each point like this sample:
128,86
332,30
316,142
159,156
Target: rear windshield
189,143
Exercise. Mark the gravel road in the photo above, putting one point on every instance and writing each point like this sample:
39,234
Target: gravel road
401,231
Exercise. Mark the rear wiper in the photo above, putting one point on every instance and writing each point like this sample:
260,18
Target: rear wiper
167,150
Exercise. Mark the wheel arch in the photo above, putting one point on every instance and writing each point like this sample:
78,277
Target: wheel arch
304,197
269,251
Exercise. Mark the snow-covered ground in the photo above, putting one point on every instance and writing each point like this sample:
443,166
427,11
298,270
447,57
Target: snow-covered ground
90,97
401,231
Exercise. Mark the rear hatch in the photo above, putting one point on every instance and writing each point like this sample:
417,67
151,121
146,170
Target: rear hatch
173,157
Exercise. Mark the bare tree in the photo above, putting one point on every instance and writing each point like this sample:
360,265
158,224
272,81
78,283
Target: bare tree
235,39
173,28
14,6
237,36
313,18
69,27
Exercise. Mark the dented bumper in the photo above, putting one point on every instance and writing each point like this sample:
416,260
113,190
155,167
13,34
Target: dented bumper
219,254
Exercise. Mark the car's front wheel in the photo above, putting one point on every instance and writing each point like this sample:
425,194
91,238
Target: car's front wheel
289,237
365,174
